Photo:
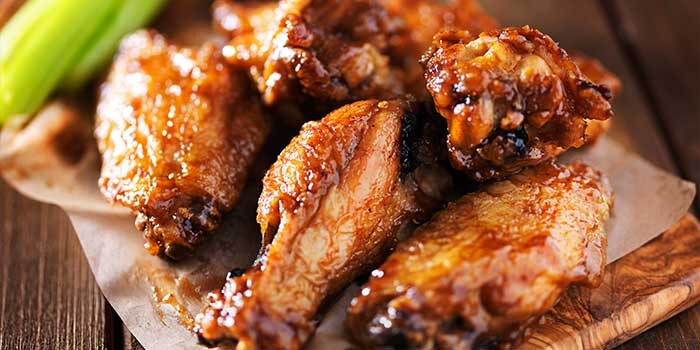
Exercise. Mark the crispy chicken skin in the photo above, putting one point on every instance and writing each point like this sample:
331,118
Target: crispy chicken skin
512,98
489,262
177,133
419,21
364,35
335,201
329,51
597,73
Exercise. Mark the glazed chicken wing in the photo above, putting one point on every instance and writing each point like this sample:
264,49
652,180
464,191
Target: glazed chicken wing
512,98
329,51
177,132
489,262
335,201
367,48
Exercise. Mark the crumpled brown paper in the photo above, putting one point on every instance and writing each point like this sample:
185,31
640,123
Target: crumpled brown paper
157,300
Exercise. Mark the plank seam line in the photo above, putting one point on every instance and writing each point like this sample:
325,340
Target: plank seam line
114,337
613,15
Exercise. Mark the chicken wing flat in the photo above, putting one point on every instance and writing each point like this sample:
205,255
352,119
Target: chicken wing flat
330,51
489,262
335,201
512,98
597,73
177,132
419,21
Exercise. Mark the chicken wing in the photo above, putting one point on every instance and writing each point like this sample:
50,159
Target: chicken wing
597,73
363,36
419,21
177,132
512,98
489,262
330,51
335,201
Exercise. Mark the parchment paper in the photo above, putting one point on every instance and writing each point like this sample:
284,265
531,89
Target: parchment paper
156,299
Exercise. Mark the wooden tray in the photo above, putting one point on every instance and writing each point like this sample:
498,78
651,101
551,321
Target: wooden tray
640,290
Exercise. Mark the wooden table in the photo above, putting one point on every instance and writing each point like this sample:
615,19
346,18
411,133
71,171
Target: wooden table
48,296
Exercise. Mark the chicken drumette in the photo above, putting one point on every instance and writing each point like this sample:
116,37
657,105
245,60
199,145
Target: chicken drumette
329,51
512,98
488,263
177,132
332,206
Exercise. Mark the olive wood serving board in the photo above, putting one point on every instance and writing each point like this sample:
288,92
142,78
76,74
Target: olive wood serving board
639,290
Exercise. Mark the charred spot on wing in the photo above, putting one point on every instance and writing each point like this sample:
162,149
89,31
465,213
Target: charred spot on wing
602,89
409,142
489,343
235,272
175,237
519,140
175,251
394,338
220,343
206,342
391,337
422,137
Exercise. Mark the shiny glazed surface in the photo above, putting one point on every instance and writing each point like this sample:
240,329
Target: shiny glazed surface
332,206
512,98
340,50
489,262
177,132
330,51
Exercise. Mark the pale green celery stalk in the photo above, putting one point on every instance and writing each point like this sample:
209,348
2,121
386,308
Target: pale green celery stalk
132,15
14,29
41,43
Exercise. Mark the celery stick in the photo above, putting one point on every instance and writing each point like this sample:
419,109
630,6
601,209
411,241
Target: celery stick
132,15
14,30
41,46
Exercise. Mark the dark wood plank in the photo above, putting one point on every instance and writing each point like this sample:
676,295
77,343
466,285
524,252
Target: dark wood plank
647,286
681,332
664,44
666,56
113,334
582,26
48,296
